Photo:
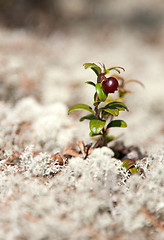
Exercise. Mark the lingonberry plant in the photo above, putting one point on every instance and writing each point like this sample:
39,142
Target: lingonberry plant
105,108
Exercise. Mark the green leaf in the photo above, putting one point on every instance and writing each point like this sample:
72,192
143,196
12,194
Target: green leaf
88,117
116,105
96,126
133,170
113,112
95,96
119,105
80,107
114,68
101,94
113,108
91,134
94,67
117,123
109,138
128,163
91,83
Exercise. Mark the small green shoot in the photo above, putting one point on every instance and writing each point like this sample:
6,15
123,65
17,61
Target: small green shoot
104,108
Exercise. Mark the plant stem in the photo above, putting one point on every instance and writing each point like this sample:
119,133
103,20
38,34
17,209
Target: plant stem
104,137
96,109
104,140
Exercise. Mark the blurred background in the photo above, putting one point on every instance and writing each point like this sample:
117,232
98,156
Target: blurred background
44,43
49,15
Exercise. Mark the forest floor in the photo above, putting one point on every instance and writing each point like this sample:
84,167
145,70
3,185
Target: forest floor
47,189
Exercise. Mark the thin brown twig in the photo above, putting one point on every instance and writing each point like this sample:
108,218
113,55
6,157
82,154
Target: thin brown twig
3,147
81,145
66,147
57,156
70,150
71,153
10,159
84,150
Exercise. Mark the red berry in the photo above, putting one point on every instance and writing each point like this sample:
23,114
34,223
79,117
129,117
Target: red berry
110,85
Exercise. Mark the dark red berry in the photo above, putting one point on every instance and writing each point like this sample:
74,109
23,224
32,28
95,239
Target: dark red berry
110,85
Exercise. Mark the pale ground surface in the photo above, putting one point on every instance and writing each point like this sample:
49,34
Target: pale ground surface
39,79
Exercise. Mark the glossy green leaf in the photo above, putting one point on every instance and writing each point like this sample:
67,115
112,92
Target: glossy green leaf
133,170
88,117
116,105
113,112
101,94
91,83
95,96
114,68
80,107
94,67
117,123
128,163
96,126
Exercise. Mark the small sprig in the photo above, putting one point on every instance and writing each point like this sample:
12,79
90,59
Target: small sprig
105,108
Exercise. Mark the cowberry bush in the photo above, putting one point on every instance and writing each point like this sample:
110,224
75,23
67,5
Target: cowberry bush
105,108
